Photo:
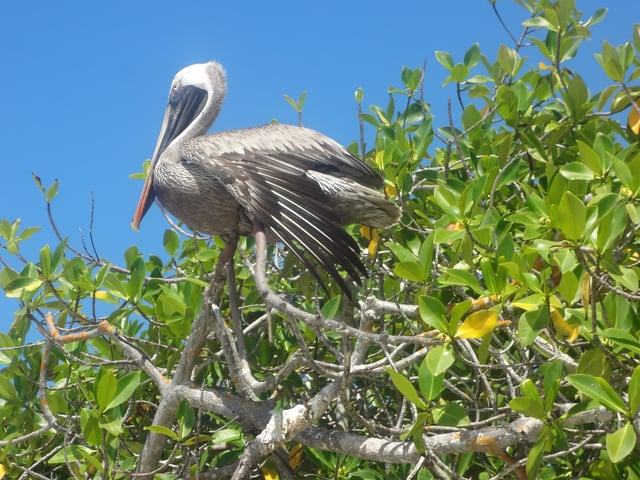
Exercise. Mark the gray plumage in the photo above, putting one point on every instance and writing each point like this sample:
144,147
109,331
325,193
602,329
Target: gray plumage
298,184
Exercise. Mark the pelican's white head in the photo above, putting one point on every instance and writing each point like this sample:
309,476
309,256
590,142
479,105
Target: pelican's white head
195,100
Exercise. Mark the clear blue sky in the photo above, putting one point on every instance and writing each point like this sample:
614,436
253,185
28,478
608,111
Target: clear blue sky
84,86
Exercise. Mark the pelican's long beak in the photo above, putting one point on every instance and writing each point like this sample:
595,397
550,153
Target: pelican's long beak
184,106
147,196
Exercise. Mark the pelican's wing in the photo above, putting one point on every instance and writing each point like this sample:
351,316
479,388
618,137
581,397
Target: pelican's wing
291,206
272,187
296,148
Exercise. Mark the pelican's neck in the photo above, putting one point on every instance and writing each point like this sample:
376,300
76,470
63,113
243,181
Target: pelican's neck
215,84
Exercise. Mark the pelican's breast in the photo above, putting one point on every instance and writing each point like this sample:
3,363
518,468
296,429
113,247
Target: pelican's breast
195,195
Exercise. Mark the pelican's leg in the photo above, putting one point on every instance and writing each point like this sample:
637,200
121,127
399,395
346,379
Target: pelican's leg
234,307
261,258
226,256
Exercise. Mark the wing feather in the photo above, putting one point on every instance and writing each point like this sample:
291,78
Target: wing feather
290,205
266,170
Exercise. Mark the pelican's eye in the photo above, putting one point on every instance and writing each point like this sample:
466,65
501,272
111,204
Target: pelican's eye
174,93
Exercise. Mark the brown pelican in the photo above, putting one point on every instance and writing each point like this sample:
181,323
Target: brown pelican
298,185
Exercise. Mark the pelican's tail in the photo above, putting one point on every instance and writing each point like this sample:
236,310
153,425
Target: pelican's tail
352,202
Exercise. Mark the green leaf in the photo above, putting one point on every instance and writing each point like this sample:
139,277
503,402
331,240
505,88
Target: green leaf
163,431
611,227
442,235
8,389
634,392
105,389
136,278
576,171
89,426
622,338
20,285
531,323
186,419
411,78
460,278
444,59
627,277
576,96
598,16
416,431
446,199
58,255
75,270
38,181
75,453
406,388
534,458
571,216
589,157
623,172
433,313
226,435
440,358
171,242
6,342
403,254
52,191
598,389
594,362
610,61
472,56
529,407
125,388
459,73
45,261
531,302
529,390
430,385
552,373
411,271
634,213
359,95
299,104
113,426
539,22
451,415
509,60
621,443
330,308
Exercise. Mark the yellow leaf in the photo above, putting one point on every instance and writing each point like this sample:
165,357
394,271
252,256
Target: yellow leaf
564,328
544,66
373,236
269,472
295,455
391,191
380,159
103,295
534,301
585,291
634,117
3,471
478,324
373,244
366,232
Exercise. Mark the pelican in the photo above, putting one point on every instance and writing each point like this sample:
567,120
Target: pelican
297,185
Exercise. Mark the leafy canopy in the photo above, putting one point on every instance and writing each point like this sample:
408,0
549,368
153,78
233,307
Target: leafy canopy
507,300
